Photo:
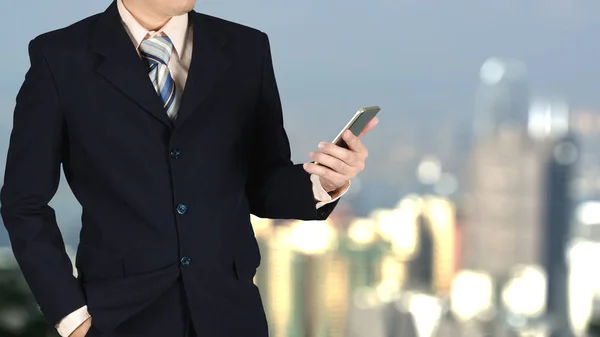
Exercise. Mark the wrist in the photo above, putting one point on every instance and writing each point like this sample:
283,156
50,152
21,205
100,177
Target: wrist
334,190
327,186
330,189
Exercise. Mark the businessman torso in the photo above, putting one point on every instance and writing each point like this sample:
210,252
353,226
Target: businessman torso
162,199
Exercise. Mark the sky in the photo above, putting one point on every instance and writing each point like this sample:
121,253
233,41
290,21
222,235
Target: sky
418,59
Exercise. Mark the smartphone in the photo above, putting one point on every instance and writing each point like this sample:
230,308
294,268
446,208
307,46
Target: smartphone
357,123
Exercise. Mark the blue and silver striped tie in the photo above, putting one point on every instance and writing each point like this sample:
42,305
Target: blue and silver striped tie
157,51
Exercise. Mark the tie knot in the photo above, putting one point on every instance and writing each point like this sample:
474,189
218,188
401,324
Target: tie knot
157,50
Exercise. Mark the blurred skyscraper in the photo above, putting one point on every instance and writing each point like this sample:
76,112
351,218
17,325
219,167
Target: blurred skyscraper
502,220
431,266
518,205
502,216
558,218
420,267
585,125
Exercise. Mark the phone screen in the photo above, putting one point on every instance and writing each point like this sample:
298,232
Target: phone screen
358,124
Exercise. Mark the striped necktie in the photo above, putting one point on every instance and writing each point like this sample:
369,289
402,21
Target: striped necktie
157,51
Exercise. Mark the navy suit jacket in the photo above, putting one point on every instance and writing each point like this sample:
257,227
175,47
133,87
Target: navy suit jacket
161,199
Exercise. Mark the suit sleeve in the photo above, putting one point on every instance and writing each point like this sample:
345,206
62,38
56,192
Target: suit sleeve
277,188
31,179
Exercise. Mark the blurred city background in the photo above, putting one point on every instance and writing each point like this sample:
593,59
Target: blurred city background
479,211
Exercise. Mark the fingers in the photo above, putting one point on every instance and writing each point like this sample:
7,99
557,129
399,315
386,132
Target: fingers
331,162
353,142
335,178
370,126
347,156
353,156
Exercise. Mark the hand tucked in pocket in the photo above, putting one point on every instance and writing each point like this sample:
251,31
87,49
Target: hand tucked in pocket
83,329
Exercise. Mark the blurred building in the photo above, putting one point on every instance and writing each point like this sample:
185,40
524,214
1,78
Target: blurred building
441,214
585,125
503,217
374,276
501,225
509,170
518,208
420,267
303,279
557,231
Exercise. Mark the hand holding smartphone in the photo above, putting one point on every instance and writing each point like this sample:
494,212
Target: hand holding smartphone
356,125
335,167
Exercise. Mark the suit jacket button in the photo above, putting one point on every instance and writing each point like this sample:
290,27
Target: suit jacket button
181,208
185,261
175,153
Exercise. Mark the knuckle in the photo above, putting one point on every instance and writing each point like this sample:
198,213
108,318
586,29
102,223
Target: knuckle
325,160
339,166
329,174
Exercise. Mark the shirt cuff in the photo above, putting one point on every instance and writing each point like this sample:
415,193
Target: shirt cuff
323,198
70,323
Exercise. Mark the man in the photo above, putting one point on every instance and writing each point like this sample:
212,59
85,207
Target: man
168,126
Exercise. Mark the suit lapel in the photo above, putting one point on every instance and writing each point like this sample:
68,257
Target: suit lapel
121,65
209,61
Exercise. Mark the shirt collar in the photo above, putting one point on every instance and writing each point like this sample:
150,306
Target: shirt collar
176,29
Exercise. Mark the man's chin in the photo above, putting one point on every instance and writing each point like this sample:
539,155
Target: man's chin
181,7
187,8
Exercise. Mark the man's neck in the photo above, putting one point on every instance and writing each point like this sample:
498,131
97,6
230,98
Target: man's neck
144,16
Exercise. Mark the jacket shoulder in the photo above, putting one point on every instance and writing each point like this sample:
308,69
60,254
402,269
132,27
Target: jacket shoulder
232,28
67,37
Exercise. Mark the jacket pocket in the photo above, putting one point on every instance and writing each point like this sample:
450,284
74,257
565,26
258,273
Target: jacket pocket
246,261
96,266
